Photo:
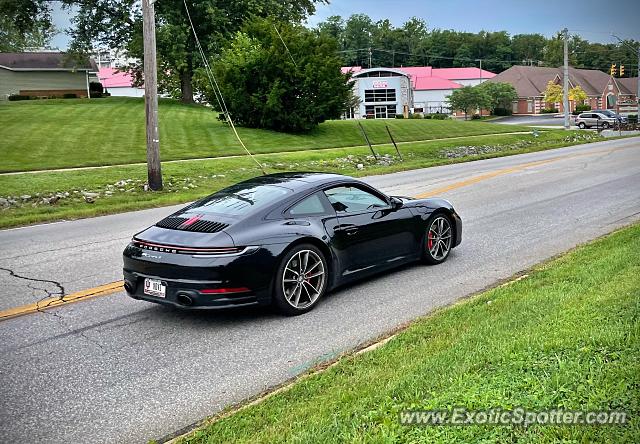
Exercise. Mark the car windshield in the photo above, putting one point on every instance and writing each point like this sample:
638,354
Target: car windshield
239,199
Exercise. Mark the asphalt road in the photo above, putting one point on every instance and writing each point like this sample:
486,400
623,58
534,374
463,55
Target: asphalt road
111,369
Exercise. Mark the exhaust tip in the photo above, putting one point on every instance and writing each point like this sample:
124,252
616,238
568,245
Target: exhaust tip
184,299
128,286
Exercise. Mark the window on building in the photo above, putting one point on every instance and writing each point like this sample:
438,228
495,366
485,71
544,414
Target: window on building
380,95
381,111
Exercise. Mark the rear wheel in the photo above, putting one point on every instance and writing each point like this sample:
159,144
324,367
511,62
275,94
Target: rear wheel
438,239
301,279
605,125
581,125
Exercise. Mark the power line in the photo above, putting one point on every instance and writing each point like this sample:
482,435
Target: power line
217,91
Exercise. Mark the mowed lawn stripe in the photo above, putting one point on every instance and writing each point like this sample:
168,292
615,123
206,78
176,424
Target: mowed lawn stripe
47,134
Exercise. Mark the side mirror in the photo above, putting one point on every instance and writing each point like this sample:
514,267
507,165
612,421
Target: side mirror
396,203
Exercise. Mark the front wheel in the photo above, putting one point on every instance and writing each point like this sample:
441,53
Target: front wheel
605,125
438,239
581,125
301,280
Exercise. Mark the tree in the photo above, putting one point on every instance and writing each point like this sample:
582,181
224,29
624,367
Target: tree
12,39
498,94
266,85
553,93
25,24
118,23
468,98
577,95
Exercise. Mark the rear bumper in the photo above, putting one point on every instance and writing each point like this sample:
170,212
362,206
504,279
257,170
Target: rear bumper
230,281
187,295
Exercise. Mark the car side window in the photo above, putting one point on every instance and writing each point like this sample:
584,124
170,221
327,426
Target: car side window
350,199
309,206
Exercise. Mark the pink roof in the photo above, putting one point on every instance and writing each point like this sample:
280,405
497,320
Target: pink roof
348,69
425,83
462,73
112,79
418,71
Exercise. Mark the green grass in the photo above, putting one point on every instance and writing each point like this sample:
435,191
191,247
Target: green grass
47,134
565,337
186,181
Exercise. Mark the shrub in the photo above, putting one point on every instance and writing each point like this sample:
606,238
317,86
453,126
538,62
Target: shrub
95,87
502,112
582,108
426,116
16,97
415,116
476,117
69,96
399,116
633,118
438,116
549,110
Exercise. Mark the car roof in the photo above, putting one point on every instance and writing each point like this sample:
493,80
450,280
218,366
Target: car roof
298,181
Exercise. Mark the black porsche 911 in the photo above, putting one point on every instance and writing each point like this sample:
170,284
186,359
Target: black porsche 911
284,239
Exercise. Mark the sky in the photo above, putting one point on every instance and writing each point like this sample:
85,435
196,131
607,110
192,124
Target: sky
593,20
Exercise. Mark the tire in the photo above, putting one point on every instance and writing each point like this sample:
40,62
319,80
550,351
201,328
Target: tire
605,125
293,294
438,239
581,125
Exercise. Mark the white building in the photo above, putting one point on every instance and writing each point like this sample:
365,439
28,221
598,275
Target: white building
419,89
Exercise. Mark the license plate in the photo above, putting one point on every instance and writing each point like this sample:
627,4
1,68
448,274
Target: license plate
154,287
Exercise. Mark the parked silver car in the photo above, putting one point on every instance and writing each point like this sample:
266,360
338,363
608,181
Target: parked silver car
591,119
609,113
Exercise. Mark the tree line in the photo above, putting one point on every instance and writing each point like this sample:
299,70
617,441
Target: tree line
414,44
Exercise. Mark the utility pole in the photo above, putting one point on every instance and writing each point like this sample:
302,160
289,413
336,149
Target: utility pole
638,91
154,171
369,57
565,87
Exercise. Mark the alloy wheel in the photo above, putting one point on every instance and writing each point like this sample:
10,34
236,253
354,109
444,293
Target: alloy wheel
303,279
439,238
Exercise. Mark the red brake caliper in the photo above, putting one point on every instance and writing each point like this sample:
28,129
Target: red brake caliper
429,240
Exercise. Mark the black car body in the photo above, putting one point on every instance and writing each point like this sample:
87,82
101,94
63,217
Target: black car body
228,249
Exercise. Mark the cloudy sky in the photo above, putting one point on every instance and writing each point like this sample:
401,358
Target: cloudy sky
593,20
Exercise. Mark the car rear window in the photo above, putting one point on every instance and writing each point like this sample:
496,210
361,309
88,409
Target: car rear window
239,199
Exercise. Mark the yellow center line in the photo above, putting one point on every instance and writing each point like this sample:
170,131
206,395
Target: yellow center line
509,170
45,304
115,287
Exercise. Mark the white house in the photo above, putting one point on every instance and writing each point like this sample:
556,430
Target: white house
420,89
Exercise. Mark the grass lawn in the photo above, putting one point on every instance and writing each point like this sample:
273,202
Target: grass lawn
120,188
46,134
565,337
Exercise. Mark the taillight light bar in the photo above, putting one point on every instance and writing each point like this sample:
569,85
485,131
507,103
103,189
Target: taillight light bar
186,250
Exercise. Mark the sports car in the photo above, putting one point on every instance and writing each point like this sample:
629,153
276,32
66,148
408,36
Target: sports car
284,239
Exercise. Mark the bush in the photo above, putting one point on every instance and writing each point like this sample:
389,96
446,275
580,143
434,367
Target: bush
399,116
633,118
582,108
438,116
69,96
502,112
549,110
16,97
96,87
476,117
426,116
415,116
